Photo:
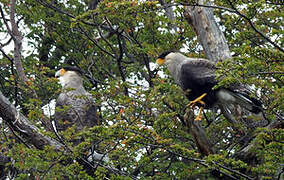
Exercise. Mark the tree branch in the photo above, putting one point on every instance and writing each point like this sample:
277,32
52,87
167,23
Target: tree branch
20,124
198,133
170,14
209,35
234,10
254,28
17,37
246,154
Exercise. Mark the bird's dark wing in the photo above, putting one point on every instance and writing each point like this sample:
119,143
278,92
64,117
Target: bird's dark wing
198,73
61,112
91,117
75,109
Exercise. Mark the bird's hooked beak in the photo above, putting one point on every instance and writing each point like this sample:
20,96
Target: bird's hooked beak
60,72
160,61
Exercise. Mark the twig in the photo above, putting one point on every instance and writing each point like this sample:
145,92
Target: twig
95,42
202,162
6,43
254,28
269,73
5,22
120,67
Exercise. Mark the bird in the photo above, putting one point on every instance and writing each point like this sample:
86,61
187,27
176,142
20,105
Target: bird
74,105
197,77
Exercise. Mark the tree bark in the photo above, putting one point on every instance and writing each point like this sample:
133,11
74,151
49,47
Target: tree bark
20,124
209,35
198,133
17,38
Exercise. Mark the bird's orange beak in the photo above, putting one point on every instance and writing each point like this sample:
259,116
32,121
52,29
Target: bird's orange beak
160,61
61,72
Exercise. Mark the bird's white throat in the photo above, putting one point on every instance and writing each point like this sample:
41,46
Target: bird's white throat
71,80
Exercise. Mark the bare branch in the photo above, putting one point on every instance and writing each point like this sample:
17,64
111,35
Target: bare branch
119,63
267,73
5,21
6,43
17,37
6,55
209,35
198,133
94,41
20,124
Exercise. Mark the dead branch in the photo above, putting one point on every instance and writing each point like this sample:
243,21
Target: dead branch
198,133
20,124
209,35
17,38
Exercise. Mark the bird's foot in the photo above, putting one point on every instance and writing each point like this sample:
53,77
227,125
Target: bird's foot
197,100
199,116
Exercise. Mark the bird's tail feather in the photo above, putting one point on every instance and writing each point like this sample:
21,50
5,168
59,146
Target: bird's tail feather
228,101
251,104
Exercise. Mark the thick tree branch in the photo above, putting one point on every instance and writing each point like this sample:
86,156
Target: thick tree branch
17,37
209,35
20,124
198,133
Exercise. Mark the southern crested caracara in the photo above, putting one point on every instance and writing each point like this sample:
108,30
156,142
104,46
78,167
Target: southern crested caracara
197,78
74,106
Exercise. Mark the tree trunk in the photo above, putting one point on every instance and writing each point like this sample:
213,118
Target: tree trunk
216,49
209,35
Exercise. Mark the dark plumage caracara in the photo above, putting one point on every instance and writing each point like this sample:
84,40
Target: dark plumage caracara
74,106
197,78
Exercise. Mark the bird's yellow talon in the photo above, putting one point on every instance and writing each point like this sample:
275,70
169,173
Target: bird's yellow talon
197,119
197,100
199,116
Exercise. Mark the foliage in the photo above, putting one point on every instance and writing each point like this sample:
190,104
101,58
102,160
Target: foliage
115,44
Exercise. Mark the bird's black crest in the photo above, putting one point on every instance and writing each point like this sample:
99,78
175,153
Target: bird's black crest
73,68
165,53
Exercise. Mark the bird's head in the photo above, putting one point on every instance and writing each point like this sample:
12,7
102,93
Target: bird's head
69,74
68,69
165,57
